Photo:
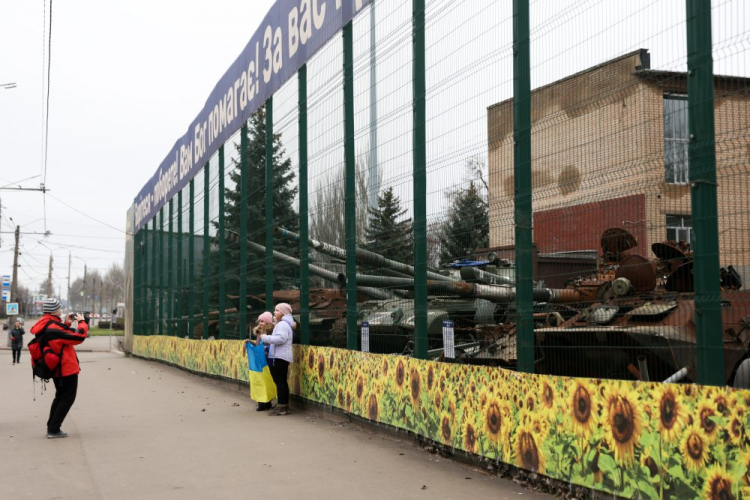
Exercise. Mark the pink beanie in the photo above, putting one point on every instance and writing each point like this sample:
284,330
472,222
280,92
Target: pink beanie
284,308
265,317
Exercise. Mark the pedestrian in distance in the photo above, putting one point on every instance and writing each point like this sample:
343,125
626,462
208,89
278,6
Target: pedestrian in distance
16,341
61,337
264,326
281,340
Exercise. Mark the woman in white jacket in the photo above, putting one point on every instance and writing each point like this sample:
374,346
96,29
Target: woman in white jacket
281,339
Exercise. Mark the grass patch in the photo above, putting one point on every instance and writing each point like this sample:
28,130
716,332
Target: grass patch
99,332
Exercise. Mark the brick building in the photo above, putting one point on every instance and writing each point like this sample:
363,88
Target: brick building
609,149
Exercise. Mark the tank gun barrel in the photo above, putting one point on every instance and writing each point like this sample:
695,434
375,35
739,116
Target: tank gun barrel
500,293
363,256
476,274
327,275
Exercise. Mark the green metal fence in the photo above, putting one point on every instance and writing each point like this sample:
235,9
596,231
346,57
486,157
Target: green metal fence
554,187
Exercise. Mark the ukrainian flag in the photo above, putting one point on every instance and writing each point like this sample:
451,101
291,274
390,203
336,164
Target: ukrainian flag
262,387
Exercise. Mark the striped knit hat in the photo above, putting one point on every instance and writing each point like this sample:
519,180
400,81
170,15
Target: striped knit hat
51,305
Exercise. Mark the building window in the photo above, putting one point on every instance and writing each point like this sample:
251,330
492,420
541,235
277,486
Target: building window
680,228
676,138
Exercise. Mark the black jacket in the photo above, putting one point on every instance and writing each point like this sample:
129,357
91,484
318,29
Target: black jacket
16,337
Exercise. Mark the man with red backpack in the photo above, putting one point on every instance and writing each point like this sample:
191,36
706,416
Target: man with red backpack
61,337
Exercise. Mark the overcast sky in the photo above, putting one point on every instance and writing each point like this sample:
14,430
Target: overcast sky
126,80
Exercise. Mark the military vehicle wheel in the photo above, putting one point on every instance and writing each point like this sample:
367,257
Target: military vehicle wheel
742,375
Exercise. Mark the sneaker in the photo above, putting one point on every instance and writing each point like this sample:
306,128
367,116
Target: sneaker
275,411
282,410
58,434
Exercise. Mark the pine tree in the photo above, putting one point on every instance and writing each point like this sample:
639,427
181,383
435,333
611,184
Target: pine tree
386,234
467,228
284,214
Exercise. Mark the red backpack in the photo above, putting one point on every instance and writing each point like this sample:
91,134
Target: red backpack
45,362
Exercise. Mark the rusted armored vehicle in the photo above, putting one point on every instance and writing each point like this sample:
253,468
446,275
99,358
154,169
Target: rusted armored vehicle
636,318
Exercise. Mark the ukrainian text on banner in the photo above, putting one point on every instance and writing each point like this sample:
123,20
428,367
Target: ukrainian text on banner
291,32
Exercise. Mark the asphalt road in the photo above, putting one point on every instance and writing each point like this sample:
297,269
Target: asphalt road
140,429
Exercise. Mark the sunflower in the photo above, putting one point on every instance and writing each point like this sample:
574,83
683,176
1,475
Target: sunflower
704,411
452,406
484,396
359,389
469,433
446,428
386,366
547,398
438,400
540,426
415,386
400,374
594,466
582,410
530,402
671,411
495,420
373,406
528,453
340,397
721,402
735,428
694,447
745,457
310,359
623,419
321,367
431,377
718,485
649,463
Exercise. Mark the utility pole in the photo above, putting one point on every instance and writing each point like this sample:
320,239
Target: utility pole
14,283
50,289
85,288
70,258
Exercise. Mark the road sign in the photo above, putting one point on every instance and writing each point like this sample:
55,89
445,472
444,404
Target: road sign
11,309
6,295
6,281
365,336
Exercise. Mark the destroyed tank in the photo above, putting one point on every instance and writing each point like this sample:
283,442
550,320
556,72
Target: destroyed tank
637,319
474,299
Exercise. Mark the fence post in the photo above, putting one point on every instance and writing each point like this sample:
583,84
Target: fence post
222,251
136,282
702,173
162,272
304,282
191,258
154,280
420,181
522,179
180,284
244,181
206,246
269,204
170,270
350,212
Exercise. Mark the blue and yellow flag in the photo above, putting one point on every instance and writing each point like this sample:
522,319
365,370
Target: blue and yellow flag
262,387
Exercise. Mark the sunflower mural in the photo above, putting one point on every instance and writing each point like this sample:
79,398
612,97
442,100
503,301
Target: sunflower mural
632,439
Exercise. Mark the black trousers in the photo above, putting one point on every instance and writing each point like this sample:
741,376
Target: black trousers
280,370
16,354
65,395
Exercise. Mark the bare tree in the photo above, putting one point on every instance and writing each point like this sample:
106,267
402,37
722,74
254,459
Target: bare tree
327,220
114,285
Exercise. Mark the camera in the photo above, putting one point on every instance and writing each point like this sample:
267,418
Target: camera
86,316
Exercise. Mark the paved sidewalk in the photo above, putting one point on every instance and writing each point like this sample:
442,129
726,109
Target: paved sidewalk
140,429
